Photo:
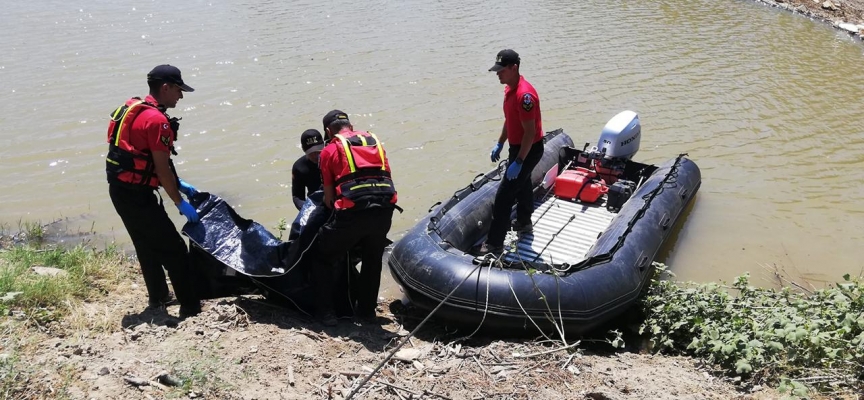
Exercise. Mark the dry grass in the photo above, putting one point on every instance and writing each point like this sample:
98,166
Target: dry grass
92,317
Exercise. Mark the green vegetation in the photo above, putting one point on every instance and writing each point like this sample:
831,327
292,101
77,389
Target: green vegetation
196,369
32,232
795,340
281,227
42,281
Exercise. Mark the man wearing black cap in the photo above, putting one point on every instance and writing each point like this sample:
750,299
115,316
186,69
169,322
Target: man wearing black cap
523,130
140,143
358,188
305,174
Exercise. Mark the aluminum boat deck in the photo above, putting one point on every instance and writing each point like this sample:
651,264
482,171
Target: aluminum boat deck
564,231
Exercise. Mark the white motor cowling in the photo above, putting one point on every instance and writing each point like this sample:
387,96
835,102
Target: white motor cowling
620,137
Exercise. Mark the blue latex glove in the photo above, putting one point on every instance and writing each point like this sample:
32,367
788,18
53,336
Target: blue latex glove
188,211
496,152
187,189
513,169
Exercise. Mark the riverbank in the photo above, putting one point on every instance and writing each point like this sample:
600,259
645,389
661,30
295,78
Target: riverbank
99,341
75,326
847,15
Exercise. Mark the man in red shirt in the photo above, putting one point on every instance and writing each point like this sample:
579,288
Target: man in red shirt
523,130
358,188
140,143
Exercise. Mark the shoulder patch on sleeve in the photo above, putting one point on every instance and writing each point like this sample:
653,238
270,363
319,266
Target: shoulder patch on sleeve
165,139
527,102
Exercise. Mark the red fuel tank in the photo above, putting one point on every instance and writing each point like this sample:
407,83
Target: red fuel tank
581,183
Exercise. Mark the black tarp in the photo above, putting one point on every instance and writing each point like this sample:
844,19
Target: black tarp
231,255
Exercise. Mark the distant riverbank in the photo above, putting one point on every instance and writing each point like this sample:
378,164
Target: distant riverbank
847,15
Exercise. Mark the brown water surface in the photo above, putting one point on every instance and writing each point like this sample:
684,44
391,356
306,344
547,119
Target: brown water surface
767,105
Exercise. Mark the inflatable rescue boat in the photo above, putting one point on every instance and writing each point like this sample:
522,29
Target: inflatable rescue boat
599,221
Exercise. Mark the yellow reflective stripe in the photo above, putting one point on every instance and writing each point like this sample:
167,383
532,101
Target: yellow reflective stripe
380,151
123,120
361,186
365,185
112,161
351,165
363,140
117,111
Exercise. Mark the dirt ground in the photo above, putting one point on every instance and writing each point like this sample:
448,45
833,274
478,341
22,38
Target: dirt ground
244,348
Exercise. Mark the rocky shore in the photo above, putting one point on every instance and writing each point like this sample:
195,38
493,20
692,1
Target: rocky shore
847,15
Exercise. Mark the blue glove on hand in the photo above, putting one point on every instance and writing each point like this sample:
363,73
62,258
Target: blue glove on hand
188,211
496,152
513,169
187,189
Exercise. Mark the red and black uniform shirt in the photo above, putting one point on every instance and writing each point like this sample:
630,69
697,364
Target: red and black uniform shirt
522,104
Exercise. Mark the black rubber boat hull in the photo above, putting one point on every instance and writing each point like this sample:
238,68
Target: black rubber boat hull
428,263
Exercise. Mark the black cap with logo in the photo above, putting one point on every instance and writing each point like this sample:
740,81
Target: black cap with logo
169,74
332,116
311,141
505,58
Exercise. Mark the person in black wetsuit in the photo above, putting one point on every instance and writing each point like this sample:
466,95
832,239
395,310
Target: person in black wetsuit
305,174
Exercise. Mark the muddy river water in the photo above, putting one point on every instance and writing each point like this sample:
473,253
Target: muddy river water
767,105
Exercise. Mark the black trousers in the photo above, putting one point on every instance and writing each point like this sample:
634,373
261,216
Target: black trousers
367,228
517,191
157,243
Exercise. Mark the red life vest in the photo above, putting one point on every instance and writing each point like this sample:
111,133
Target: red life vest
122,156
365,177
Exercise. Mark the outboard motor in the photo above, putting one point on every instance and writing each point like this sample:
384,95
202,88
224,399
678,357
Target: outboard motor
620,137
619,142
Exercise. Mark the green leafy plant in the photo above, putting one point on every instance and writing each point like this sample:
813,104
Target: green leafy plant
783,336
281,227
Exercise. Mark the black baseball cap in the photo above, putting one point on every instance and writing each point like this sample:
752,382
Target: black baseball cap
311,141
333,116
170,74
505,58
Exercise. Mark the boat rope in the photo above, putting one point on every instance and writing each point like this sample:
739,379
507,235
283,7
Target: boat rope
258,281
493,262
519,303
287,297
554,236
296,263
405,340
550,315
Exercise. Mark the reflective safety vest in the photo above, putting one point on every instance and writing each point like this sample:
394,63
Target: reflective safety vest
123,157
365,179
